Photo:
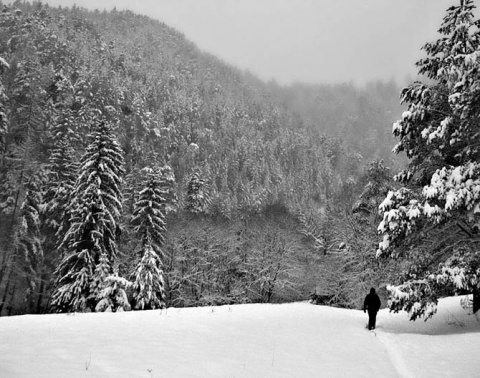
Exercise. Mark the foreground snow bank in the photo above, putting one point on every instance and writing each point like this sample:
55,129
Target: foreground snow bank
448,345
288,340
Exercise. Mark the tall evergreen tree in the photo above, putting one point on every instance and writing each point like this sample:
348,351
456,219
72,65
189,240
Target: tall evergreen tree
148,217
149,225
432,222
198,198
29,242
3,111
62,176
109,289
95,212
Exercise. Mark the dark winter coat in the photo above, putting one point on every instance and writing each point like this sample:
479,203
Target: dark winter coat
372,302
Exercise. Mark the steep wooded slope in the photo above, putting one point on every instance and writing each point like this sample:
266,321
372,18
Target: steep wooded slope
229,154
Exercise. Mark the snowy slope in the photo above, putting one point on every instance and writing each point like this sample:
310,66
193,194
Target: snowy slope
288,340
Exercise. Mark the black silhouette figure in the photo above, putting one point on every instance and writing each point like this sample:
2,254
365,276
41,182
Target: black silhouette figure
372,304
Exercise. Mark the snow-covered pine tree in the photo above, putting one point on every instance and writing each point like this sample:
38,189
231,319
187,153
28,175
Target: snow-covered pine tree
3,100
57,193
61,181
109,289
148,281
432,222
148,217
28,241
149,224
99,282
94,214
198,199
167,187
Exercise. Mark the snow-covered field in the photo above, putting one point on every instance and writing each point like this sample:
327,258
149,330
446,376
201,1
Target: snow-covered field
287,340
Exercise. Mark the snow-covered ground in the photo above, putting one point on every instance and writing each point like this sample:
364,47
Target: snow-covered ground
287,340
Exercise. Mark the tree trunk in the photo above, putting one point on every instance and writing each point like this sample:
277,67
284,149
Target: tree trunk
3,270
39,308
476,300
8,249
12,300
4,298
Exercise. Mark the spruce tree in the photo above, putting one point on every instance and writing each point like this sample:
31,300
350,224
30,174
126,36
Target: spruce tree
3,111
167,187
432,222
109,289
62,176
198,199
149,225
29,243
94,214
99,283
148,281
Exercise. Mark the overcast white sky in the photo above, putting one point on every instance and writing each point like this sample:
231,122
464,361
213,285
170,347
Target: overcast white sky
301,40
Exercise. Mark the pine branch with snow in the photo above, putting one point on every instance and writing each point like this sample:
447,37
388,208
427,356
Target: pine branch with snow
148,282
148,216
149,224
434,220
94,215
198,199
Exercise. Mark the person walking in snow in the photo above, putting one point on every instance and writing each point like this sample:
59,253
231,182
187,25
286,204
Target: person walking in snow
372,304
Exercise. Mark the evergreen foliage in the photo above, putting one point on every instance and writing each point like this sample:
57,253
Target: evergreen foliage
148,282
3,115
356,115
109,290
347,240
197,200
95,212
432,221
226,150
30,243
98,284
149,225
62,172
149,217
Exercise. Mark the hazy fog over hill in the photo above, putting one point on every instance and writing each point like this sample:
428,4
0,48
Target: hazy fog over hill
310,41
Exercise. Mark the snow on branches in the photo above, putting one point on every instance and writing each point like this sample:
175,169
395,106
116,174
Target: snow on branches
148,282
149,220
433,221
415,297
458,188
90,242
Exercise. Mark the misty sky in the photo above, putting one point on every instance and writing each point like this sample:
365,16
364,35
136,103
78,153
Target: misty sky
301,40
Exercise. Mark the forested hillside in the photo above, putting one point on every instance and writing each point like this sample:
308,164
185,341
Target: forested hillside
360,116
137,171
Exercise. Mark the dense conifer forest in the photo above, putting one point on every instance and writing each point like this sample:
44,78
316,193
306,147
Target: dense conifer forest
137,172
